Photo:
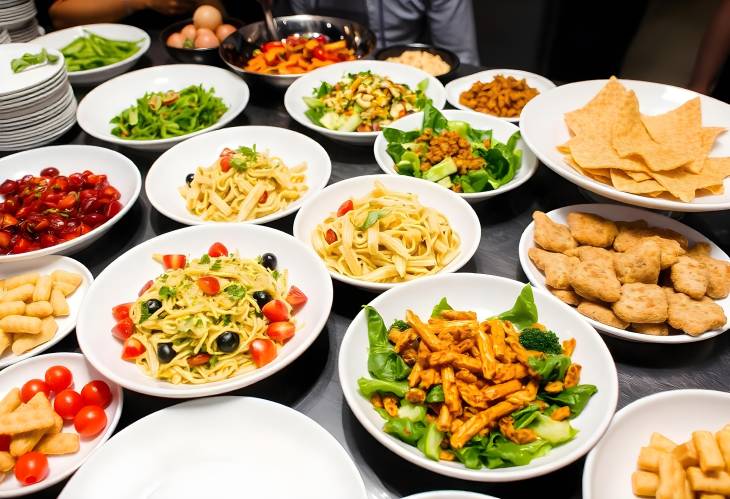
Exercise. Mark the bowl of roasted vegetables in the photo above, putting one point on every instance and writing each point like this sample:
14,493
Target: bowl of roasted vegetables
478,377
306,43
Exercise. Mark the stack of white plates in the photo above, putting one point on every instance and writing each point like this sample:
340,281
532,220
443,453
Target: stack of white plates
16,13
4,36
36,105
26,32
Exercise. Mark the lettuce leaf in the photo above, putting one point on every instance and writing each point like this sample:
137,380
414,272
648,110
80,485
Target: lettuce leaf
524,312
383,362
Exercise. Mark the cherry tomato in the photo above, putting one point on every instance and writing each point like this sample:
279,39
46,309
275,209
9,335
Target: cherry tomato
217,249
330,236
270,45
121,311
318,53
276,311
262,351
96,392
132,349
264,197
198,360
144,289
123,329
281,331
225,163
31,468
345,207
49,172
67,403
90,421
296,298
173,261
68,201
209,285
30,388
4,443
58,378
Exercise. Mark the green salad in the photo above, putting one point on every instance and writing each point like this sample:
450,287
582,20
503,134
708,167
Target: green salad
94,51
161,115
488,393
453,154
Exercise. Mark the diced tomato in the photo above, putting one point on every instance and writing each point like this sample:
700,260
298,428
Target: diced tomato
269,45
345,207
225,163
209,285
262,351
132,349
276,311
173,261
296,298
318,53
4,239
112,209
68,201
280,331
217,249
330,236
144,289
121,311
264,197
8,220
123,329
198,360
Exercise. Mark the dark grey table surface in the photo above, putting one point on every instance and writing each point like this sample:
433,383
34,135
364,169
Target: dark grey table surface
310,384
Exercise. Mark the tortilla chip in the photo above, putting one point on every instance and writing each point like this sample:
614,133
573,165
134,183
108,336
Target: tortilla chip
707,137
623,182
590,152
687,119
597,117
602,176
639,176
684,184
564,148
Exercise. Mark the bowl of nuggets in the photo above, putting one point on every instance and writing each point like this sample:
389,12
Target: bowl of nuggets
633,274
673,444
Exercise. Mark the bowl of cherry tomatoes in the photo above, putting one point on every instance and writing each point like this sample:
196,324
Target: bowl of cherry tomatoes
59,199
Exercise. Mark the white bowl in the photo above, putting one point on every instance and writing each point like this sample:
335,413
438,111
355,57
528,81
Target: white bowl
675,414
123,32
168,173
46,265
456,87
399,73
239,443
109,99
461,216
486,295
449,494
60,467
502,130
543,129
120,281
624,213
120,172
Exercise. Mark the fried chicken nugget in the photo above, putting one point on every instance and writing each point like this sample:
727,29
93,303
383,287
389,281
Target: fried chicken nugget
601,313
596,282
592,230
718,286
651,329
550,235
640,263
690,276
630,233
694,317
566,296
557,267
641,303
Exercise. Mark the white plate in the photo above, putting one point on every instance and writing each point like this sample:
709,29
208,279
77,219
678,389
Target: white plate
40,130
109,99
259,448
11,83
461,216
675,414
399,73
624,213
543,128
486,295
121,280
456,87
40,115
59,39
120,171
168,173
60,467
502,131
449,494
46,265
43,139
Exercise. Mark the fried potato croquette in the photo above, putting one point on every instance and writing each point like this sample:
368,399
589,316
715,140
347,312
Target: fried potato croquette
640,263
602,314
651,329
690,277
557,267
566,296
550,235
694,317
718,285
596,282
644,483
642,303
592,230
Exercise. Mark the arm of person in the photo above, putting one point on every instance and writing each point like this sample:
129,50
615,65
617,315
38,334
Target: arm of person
713,50
452,27
65,13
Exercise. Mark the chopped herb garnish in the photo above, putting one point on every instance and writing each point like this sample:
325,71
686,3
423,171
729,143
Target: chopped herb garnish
235,291
167,292
216,265
205,259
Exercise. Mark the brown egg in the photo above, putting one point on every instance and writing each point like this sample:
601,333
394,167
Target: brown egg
206,16
189,32
224,30
175,40
206,39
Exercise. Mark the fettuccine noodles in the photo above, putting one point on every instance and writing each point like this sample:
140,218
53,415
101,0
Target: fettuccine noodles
387,236
243,185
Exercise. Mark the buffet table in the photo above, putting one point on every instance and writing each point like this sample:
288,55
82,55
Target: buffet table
310,383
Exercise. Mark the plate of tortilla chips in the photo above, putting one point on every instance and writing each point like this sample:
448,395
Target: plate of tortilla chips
641,143
633,274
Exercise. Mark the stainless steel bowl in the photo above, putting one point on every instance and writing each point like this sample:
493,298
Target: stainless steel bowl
238,48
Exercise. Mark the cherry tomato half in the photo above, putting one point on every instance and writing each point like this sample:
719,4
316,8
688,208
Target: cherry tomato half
132,349
121,311
123,329
96,392
67,404
30,388
198,360
31,468
330,236
144,289
345,207
276,311
225,163
281,331
217,249
262,351
58,378
209,285
173,261
90,421
296,298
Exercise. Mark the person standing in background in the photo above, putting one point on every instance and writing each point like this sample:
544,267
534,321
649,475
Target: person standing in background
711,74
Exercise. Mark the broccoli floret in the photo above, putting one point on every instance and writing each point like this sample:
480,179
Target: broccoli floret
399,325
543,341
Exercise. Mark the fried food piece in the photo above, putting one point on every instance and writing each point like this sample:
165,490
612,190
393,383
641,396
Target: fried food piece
718,286
596,282
631,233
561,413
557,267
708,451
58,444
723,441
479,421
694,317
521,436
644,483
686,454
671,478
649,459
717,483
602,314
550,235
690,277
600,256
642,303
652,329
640,263
566,296
592,230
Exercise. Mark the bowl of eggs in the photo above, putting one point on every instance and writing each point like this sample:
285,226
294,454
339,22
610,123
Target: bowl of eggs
196,40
